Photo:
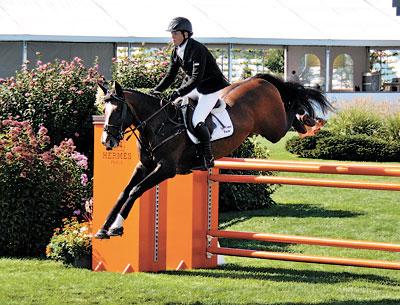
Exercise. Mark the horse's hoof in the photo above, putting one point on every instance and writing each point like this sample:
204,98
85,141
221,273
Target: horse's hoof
116,231
309,121
101,234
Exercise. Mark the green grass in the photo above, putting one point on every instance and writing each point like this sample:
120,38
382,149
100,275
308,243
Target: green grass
310,211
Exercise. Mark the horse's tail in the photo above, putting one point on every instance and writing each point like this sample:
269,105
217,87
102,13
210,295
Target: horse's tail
296,97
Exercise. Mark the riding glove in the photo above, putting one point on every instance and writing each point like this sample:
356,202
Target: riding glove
155,93
174,95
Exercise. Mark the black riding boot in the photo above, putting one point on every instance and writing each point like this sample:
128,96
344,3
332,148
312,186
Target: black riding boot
203,134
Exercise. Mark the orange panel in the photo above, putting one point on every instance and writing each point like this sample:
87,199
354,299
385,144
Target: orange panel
112,171
187,222
175,240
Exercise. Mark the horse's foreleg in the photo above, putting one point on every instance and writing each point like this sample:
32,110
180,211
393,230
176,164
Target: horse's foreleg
158,175
138,175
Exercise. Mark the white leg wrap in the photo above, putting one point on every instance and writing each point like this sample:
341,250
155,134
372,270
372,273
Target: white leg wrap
118,223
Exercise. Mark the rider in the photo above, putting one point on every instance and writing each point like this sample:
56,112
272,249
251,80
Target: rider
203,80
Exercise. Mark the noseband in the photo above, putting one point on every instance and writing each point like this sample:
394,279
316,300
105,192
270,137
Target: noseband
124,114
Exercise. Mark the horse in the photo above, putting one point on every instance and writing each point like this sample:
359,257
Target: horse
262,104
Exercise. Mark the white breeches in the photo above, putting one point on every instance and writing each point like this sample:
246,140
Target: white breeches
205,104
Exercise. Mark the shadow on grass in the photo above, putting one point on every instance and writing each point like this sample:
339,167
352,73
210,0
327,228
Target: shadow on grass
346,302
284,210
234,271
258,245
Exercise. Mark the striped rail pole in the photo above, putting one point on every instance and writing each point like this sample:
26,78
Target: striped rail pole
319,168
305,167
291,239
306,258
305,182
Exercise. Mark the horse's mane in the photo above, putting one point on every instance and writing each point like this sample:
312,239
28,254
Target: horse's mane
140,92
295,95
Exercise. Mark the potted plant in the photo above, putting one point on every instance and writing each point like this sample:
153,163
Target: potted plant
71,244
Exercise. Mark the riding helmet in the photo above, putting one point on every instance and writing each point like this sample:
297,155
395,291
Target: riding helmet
180,24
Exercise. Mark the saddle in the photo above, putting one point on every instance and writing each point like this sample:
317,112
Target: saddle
218,121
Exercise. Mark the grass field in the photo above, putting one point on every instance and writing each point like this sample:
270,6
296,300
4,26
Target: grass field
311,211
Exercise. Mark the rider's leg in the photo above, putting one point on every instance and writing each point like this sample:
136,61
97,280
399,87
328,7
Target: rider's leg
204,106
203,134
194,95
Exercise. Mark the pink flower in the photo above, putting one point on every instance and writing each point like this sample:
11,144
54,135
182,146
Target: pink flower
89,205
9,156
46,139
84,179
79,92
47,157
77,212
76,134
42,130
23,175
81,160
17,149
6,122
27,94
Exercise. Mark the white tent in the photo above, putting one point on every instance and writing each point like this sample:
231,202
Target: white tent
281,22
93,28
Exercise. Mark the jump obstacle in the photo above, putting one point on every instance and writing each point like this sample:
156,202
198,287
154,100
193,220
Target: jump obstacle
175,225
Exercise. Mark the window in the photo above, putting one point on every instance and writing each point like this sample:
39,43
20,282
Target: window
343,73
310,71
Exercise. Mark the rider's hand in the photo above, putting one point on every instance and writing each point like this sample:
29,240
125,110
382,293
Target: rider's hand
155,92
174,95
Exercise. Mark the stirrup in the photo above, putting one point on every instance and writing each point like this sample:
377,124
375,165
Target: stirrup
208,162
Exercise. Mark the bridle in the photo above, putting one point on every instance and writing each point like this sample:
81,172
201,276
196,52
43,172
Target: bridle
139,124
124,114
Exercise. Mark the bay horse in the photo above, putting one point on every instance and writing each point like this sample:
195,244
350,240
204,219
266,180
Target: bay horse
263,105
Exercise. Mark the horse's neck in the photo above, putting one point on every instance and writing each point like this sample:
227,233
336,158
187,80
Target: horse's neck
143,104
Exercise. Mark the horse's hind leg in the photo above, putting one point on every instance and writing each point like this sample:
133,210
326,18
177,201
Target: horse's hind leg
138,175
163,171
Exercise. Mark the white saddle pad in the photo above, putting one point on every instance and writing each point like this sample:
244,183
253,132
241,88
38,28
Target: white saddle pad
221,119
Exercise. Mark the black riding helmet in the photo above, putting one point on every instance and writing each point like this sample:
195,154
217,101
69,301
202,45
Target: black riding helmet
180,24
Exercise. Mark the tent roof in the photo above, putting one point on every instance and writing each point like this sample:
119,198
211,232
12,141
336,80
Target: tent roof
268,22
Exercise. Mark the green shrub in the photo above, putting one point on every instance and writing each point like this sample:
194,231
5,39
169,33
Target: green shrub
355,121
393,127
72,244
305,147
38,187
59,95
144,69
246,196
326,145
360,132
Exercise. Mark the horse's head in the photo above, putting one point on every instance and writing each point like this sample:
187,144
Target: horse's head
115,115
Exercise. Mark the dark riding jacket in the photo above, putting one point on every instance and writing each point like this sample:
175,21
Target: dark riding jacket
202,71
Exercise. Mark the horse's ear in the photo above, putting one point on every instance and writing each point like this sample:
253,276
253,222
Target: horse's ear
104,89
118,89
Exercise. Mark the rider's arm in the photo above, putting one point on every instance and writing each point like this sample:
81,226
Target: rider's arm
199,65
170,76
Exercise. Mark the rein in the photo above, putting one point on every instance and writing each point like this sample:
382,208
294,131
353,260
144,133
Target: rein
141,125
